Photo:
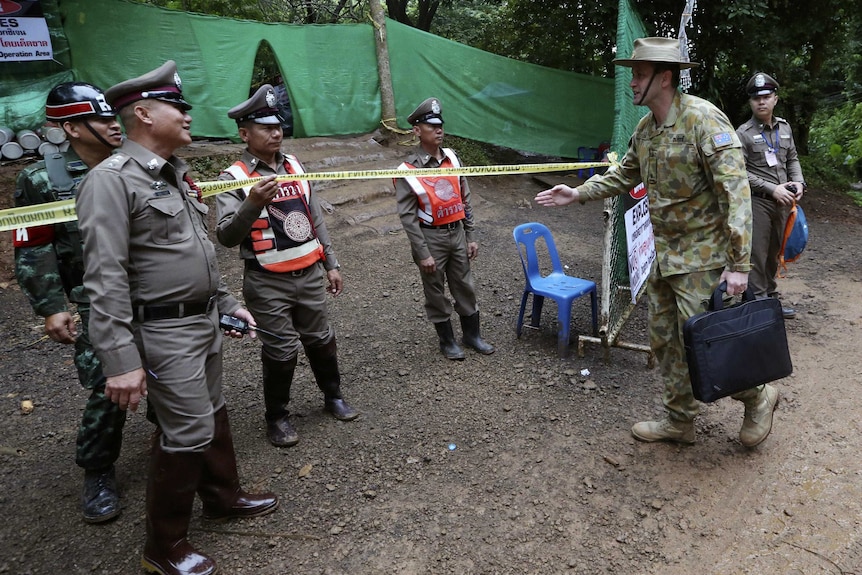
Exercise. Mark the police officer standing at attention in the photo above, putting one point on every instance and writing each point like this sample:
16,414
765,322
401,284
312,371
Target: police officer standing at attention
776,181
437,216
288,256
686,152
156,295
49,265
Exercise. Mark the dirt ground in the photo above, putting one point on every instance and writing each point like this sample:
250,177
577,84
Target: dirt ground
544,476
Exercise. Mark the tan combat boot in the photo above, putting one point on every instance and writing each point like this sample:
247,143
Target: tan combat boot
758,417
665,429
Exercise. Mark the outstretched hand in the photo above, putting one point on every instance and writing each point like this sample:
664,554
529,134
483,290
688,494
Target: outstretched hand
559,195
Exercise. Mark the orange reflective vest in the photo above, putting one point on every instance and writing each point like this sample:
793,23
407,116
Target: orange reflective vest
439,196
283,237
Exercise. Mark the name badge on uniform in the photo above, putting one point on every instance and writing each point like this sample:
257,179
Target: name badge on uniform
771,158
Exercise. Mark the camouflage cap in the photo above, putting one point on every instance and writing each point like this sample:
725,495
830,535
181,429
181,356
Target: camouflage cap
428,112
163,84
261,108
761,84
656,50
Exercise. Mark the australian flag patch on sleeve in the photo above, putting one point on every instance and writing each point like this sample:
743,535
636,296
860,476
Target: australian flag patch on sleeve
721,139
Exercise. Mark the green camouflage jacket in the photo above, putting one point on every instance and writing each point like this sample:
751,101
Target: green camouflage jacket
49,259
699,196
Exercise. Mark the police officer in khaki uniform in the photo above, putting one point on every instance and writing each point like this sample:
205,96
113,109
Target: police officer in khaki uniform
156,295
687,154
437,216
776,181
288,256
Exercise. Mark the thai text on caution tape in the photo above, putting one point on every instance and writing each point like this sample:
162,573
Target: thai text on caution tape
64,211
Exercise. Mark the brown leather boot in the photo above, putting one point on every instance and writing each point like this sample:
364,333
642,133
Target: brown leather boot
277,379
219,488
171,485
323,360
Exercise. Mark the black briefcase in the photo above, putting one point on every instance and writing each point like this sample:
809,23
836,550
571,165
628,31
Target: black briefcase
731,349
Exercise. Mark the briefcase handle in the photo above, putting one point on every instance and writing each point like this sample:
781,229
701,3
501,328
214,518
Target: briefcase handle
717,301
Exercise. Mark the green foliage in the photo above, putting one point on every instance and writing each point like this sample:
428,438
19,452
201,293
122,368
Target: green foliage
836,139
206,168
467,21
470,152
555,34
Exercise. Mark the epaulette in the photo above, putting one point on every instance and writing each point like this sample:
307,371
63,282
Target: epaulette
116,161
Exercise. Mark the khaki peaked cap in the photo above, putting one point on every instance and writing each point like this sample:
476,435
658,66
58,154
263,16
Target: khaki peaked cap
262,108
428,112
163,84
761,84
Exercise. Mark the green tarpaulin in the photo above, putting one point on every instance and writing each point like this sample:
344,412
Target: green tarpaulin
329,70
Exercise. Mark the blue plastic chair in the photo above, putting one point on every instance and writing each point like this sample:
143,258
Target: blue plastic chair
556,285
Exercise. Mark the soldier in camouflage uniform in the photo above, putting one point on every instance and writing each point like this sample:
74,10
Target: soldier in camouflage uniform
687,154
50,268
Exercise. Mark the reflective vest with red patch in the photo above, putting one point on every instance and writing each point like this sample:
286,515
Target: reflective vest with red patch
283,237
439,196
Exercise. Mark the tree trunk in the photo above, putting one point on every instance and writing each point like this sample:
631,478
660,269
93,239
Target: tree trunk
387,97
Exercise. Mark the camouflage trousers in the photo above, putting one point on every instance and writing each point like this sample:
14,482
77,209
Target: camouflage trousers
100,435
671,301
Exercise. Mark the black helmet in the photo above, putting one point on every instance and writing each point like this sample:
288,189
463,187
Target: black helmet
72,100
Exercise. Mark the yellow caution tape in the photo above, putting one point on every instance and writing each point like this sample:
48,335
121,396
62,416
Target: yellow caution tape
38,215
64,211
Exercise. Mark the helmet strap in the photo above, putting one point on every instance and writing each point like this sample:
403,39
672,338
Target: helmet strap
97,135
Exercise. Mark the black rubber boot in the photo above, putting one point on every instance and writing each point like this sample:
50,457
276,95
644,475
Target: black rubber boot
100,500
448,346
472,337
277,379
323,360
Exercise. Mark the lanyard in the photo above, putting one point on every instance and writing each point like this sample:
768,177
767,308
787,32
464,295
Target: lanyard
772,148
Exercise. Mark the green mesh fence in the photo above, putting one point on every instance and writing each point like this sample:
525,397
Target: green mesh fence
616,297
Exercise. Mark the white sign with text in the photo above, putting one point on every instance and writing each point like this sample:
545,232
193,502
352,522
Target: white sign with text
640,240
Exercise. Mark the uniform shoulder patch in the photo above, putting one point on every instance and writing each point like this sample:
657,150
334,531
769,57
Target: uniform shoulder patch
721,139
